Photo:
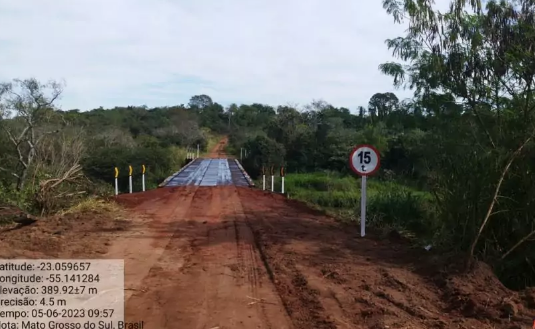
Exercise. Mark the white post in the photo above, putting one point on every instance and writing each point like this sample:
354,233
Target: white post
363,207
264,182
198,149
241,153
143,182
272,183
130,183
282,184
116,186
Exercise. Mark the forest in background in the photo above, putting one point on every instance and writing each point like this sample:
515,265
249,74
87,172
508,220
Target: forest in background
457,158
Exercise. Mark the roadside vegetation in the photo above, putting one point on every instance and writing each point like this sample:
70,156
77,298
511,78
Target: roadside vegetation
51,159
457,158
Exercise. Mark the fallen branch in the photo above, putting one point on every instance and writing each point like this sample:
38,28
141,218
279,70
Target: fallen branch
524,239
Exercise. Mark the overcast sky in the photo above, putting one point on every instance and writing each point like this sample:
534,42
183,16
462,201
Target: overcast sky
161,52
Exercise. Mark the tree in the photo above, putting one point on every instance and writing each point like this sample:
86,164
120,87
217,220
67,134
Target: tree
362,111
382,104
200,101
24,105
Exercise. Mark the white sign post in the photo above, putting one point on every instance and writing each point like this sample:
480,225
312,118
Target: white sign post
364,160
198,150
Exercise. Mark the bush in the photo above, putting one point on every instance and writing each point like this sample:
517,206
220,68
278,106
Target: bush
388,203
159,162
401,207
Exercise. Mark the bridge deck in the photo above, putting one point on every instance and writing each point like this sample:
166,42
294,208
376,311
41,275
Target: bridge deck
210,172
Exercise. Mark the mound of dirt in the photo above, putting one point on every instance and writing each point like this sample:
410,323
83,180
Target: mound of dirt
73,235
10,214
479,294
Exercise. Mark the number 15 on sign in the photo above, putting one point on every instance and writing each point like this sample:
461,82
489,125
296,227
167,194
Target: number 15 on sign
364,160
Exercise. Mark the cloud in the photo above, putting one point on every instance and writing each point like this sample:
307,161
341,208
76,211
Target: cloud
161,52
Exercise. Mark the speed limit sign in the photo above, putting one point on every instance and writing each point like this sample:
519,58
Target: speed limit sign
364,160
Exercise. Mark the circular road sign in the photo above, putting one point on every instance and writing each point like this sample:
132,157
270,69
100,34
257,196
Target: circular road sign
364,160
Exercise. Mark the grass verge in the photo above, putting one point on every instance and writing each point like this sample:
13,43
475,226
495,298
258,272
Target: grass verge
389,204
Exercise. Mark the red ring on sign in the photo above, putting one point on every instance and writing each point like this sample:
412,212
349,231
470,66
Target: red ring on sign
378,160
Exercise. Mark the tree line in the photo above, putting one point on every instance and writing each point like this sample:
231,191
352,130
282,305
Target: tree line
51,159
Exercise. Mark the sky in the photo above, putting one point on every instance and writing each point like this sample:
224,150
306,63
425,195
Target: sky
161,52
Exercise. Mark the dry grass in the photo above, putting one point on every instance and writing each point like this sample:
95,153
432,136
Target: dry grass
94,205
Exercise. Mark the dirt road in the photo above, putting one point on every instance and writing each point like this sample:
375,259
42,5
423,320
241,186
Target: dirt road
236,257
219,150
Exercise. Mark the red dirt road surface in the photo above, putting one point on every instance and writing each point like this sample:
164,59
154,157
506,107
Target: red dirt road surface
219,150
230,257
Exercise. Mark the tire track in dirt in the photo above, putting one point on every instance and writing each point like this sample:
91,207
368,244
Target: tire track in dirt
249,257
154,302
145,242
235,295
300,301
220,283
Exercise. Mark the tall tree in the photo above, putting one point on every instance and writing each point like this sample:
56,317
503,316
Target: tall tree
200,101
382,104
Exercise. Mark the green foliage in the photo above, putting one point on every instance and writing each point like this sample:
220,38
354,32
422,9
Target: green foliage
262,151
401,207
23,199
159,163
473,74
389,203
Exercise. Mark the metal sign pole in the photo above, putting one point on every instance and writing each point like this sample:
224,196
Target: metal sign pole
363,207
264,182
282,184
